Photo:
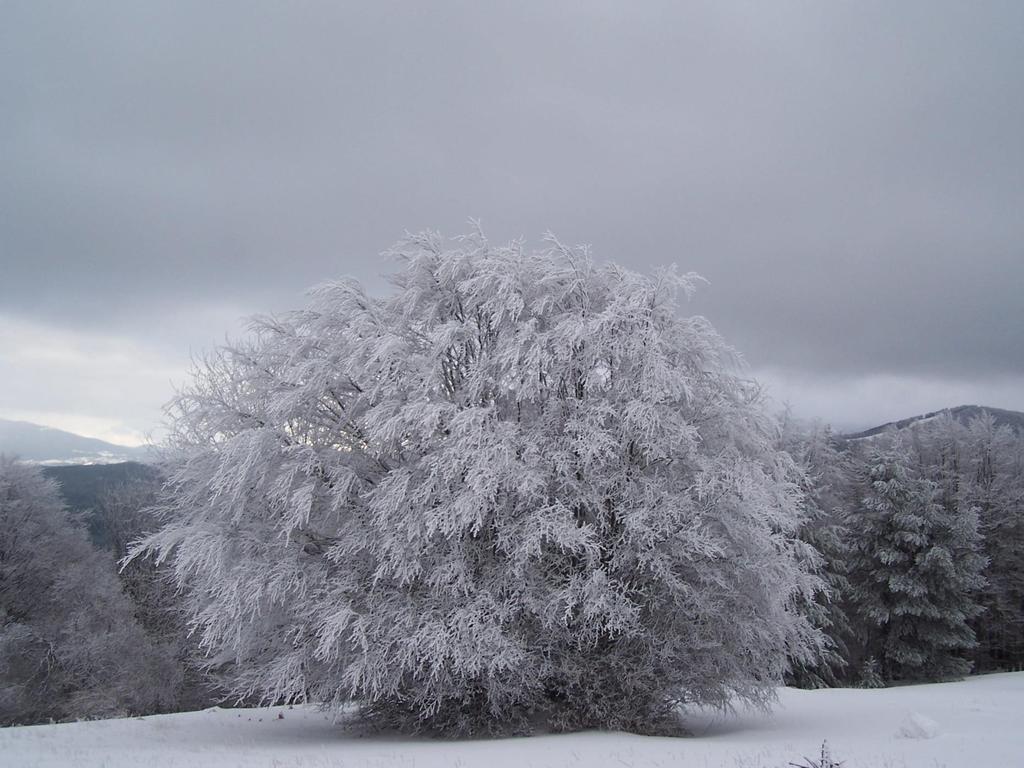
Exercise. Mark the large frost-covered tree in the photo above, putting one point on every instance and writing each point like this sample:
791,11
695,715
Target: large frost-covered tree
522,485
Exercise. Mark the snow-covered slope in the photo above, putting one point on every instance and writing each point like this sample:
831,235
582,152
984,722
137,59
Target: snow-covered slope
966,724
45,445
962,413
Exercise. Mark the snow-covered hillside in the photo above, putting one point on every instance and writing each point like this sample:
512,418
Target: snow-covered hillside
966,724
37,444
961,413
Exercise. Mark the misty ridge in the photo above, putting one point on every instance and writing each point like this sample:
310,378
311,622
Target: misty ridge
702,446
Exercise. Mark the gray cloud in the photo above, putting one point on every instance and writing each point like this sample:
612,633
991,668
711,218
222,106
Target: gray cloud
849,177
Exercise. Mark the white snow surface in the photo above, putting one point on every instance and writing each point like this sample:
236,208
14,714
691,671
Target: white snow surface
981,725
918,726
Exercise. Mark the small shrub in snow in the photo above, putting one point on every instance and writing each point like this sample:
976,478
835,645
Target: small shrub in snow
523,485
870,674
824,760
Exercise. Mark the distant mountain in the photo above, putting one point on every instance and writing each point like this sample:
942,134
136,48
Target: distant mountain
962,413
45,445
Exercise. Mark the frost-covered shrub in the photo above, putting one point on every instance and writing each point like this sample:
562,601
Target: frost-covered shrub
522,485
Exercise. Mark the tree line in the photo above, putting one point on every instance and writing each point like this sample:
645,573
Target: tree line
80,639
920,532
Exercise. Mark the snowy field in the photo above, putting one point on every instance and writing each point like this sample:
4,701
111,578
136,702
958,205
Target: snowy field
977,723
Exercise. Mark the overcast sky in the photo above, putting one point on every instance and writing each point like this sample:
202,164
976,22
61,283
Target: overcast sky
849,176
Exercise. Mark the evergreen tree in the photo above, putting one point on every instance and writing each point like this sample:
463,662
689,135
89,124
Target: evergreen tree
915,569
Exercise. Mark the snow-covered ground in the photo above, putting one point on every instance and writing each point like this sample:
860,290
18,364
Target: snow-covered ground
977,723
